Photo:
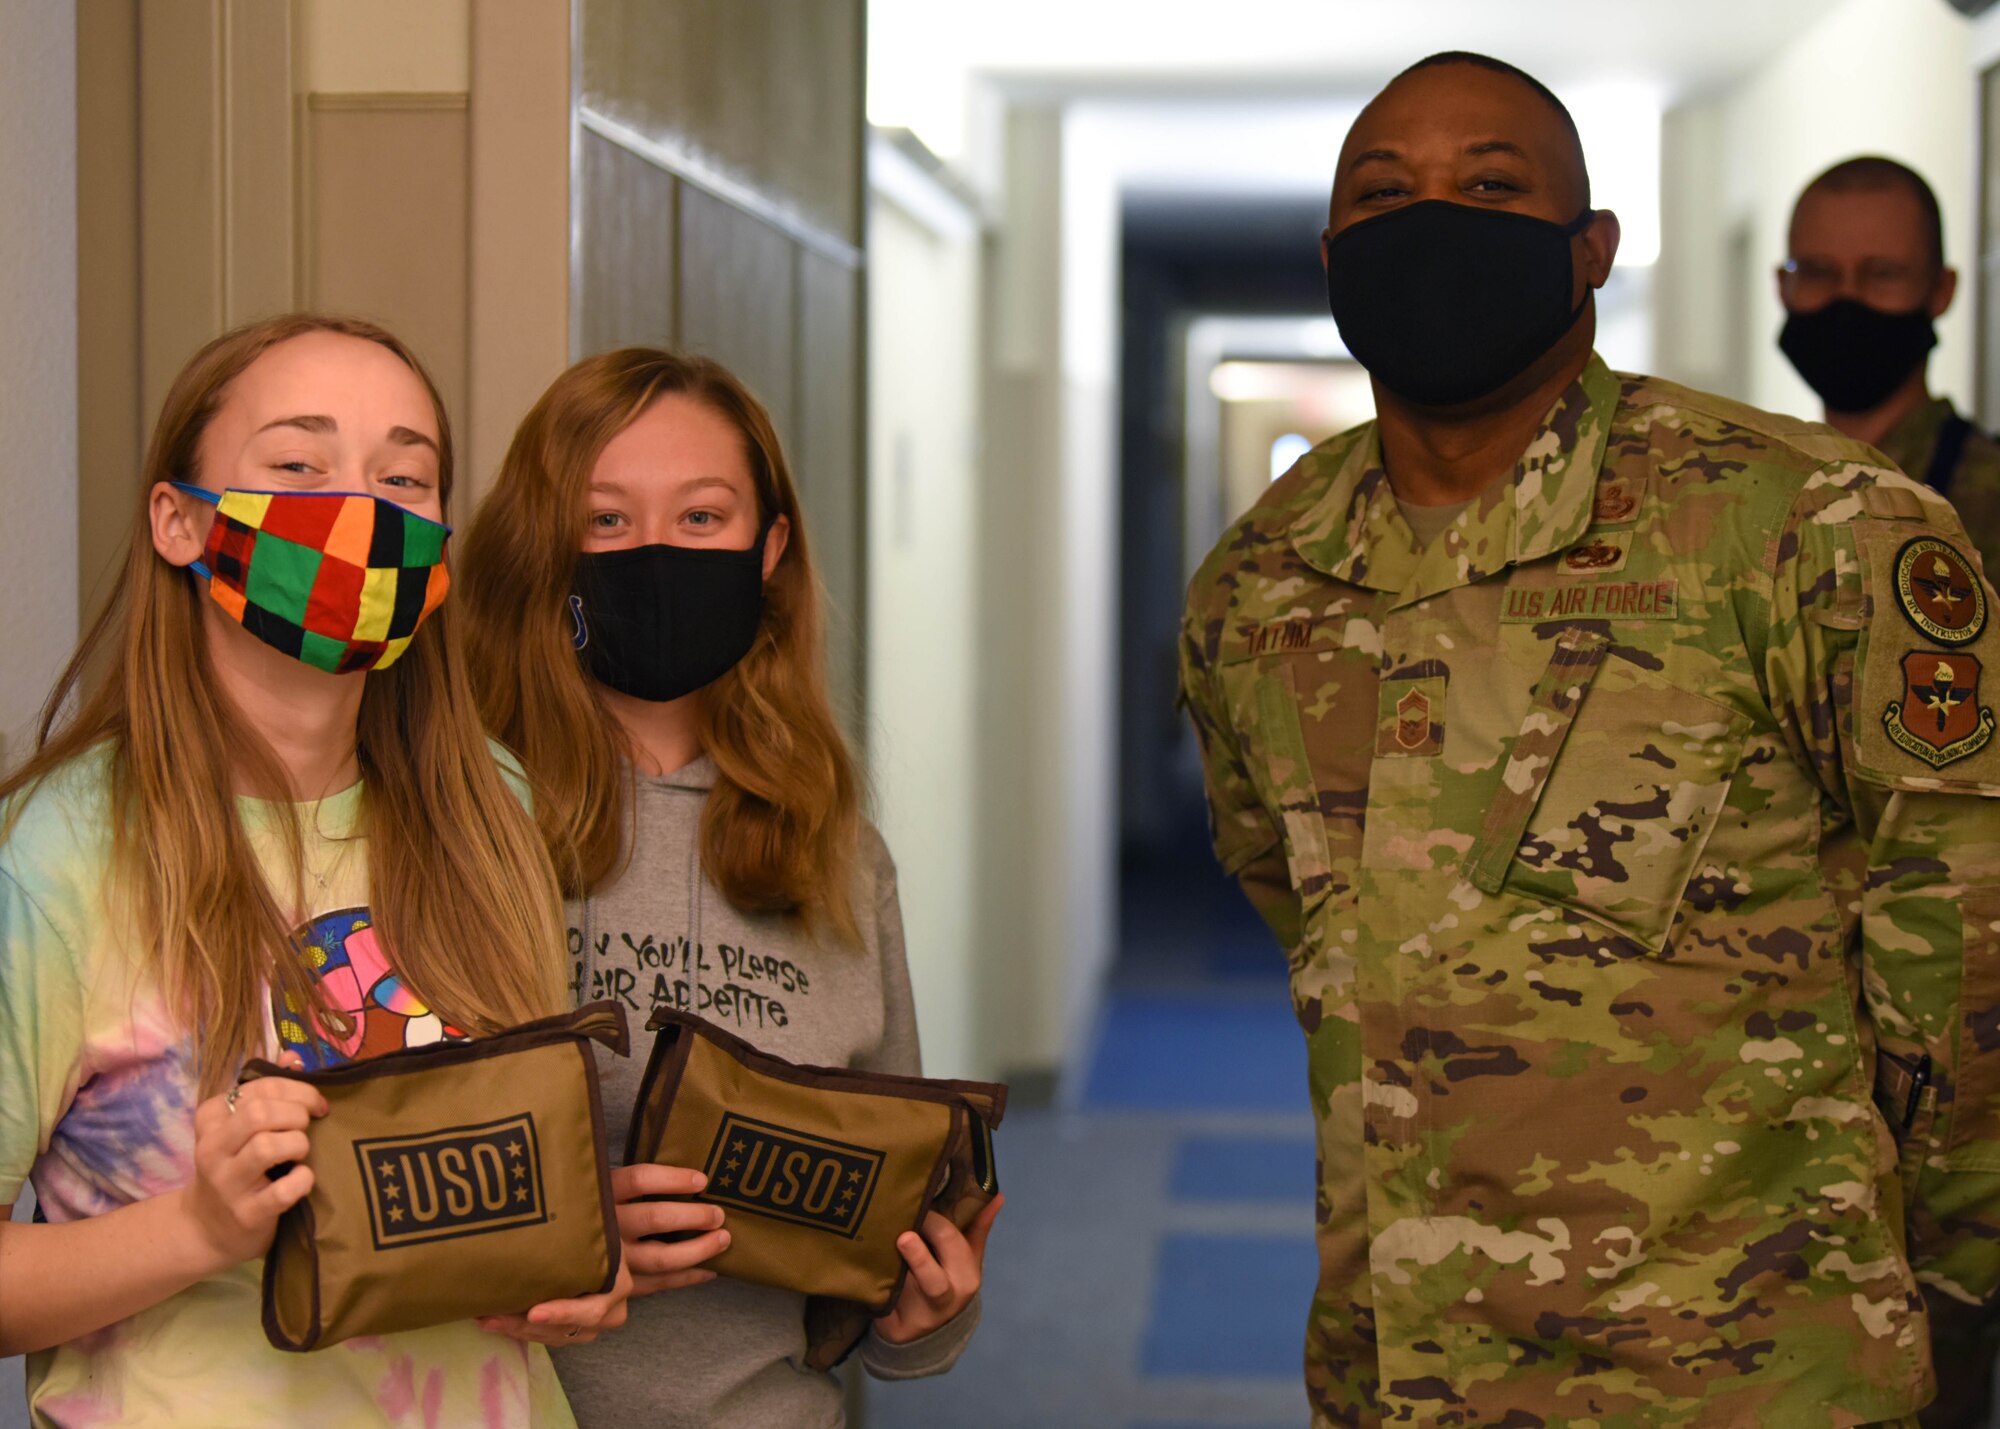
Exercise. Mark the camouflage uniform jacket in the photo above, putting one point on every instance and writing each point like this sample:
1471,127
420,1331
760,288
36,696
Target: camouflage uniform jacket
1975,482
1609,838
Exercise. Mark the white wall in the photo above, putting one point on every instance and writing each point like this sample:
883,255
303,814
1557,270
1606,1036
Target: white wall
1887,77
1047,540
38,398
923,389
1085,624
1986,39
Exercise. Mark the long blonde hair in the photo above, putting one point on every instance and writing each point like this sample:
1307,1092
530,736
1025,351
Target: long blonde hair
460,887
779,830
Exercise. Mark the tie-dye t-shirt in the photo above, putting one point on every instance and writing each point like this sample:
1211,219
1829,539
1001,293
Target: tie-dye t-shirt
97,1102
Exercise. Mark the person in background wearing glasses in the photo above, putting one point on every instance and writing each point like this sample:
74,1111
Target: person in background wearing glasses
1864,285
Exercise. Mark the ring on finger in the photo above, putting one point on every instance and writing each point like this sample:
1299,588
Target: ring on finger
230,1100
573,1332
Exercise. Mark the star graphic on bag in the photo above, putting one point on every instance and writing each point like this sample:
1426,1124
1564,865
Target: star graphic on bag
514,1149
854,1175
520,1173
731,1164
521,1194
395,1213
736,1146
392,1192
723,1181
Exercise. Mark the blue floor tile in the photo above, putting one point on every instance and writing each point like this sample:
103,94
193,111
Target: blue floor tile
1229,1168
1232,1306
1190,1053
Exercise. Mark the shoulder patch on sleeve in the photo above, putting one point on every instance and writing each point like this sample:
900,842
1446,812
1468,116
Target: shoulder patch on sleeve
1927,662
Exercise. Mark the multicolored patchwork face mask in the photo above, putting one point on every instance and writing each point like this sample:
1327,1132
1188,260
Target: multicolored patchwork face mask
338,579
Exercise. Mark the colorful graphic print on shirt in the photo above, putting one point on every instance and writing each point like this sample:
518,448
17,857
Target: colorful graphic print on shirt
347,956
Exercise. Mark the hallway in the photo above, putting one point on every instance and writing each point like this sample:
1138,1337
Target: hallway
1155,1262
1034,295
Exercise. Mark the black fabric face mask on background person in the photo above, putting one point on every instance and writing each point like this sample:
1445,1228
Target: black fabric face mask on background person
659,622
1443,302
1853,355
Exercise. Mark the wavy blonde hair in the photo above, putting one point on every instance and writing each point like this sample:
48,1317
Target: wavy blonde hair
779,831
460,887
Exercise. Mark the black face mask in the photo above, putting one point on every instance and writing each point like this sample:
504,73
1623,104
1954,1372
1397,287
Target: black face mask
1444,303
1853,355
659,622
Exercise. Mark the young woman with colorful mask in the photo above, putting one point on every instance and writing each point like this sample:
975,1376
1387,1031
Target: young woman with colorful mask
645,626
262,818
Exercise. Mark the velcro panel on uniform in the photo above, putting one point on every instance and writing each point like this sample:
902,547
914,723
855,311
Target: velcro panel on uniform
1291,773
1897,502
1923,708
1974,1143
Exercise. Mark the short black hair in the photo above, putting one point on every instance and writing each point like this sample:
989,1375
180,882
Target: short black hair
1548,96
1867,172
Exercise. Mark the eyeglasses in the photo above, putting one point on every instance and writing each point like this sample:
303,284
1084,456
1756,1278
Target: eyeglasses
1879,282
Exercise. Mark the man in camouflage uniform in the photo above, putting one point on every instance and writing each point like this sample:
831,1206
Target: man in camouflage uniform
1865,281
1633,843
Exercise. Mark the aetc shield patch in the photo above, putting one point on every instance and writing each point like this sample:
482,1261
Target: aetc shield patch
1939,718
1938,592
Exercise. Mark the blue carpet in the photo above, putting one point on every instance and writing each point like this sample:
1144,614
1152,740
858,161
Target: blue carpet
1229,1168
1230,1306
1194,1053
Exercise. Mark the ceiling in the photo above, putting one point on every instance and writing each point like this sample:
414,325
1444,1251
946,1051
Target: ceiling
923,53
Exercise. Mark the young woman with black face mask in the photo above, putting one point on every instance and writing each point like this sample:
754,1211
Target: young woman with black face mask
646,630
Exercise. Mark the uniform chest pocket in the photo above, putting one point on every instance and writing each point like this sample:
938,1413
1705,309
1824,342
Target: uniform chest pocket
1609,791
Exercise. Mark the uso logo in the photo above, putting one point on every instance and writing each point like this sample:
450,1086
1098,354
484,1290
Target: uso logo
465,1180
791,1175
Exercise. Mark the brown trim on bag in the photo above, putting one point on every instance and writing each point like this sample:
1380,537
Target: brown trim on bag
673,1046
603,1021
594,1021
678,1048
613,1239
834,1327
838,1079
273,1331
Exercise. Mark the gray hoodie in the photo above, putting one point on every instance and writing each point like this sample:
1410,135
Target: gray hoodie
726,1353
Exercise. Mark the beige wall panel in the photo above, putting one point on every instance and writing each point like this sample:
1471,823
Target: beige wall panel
737,300
520,270
258,198
181,200
110,427
768,92
384,46
626,277
826,455
386,222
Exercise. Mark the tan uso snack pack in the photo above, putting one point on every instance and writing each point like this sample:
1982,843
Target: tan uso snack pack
455,1180
819,1169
